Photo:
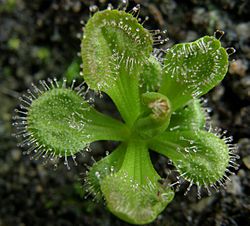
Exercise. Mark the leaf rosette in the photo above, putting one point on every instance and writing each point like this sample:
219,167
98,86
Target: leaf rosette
159,106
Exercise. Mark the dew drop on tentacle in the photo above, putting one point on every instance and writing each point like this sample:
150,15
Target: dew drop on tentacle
188,188
64,83
93,8
56,83
44,85
230,51
81,89
55,166
145,20
73,84
73,158
93,159
207,189
36,89
199,191
135,11
110,6
31,94
66,163
218,34
123,5
159,37
51,82
23,101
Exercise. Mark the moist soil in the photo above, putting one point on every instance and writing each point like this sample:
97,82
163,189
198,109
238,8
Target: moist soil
40,39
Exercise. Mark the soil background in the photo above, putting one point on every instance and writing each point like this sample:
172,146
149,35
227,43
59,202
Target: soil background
40,39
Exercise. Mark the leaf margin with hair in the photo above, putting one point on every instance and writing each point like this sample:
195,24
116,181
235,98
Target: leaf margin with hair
195,154
114,66
134,193
63,123
191,117
192,69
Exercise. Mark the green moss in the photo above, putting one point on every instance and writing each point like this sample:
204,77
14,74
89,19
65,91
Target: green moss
14,43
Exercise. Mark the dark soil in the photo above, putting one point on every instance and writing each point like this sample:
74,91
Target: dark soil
39,39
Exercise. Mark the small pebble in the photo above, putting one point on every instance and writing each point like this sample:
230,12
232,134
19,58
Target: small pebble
238,67
242,30
242,88
39,188
246,161
234,186
16,154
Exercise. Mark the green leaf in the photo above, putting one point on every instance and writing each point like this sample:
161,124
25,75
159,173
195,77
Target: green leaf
150,78
192,69
113,39
73,70
101,169
191,117
134,193
114,49
61,122
201,157
125,95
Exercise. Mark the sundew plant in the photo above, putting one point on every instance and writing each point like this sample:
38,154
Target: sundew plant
158,100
